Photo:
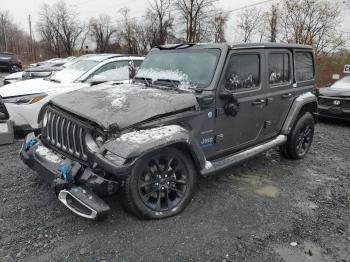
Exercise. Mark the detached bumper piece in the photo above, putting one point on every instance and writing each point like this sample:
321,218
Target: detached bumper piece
77,187
84,203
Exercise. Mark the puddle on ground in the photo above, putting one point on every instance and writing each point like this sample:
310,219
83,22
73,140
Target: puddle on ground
268,191
306,252
261,186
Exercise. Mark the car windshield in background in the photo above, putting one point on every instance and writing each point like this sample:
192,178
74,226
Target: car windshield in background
193,68
74,71
344,82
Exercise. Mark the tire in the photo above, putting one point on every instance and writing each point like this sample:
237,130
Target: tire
160,185
14,69
300,139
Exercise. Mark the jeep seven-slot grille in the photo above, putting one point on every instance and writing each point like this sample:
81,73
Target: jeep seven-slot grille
341,102
65,133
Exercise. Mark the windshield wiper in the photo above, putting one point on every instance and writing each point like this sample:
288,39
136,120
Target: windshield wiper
175,83
145,79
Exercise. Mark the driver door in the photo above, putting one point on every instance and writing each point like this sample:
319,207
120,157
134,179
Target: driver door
242,82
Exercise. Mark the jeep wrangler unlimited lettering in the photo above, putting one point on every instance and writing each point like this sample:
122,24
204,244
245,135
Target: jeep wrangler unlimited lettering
192,109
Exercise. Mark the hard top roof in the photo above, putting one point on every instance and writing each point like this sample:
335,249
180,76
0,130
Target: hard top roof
234,46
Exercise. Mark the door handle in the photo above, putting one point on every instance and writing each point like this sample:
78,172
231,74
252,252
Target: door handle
258,102
285,96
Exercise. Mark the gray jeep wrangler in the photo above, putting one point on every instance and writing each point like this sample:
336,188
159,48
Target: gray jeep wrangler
192,109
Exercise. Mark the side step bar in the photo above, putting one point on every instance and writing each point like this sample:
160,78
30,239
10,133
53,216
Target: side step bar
235,159
84,203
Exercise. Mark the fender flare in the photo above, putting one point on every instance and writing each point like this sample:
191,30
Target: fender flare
135,144
306,102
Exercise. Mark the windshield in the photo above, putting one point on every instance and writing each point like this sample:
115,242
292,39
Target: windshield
344,82
74,71
192,68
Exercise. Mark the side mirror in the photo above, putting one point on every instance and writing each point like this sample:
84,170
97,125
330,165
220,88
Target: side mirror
232,105
97,79
132,70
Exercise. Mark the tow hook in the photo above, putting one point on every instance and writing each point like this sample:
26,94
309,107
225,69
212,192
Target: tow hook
64,172
32,142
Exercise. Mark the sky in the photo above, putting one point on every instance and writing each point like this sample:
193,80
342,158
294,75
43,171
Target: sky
20,9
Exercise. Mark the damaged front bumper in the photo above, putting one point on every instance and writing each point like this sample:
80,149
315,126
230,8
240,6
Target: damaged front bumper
78,187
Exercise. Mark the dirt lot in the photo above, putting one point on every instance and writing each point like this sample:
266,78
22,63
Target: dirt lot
250,213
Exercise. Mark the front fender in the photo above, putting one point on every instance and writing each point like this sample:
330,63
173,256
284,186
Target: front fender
304,103
138,143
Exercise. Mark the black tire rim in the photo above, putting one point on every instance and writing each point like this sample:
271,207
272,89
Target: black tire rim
163,183
304,139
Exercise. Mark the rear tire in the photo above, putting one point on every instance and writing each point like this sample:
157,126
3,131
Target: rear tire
300,139
160,185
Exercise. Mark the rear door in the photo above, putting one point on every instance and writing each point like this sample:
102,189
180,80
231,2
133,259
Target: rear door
279,90
241,80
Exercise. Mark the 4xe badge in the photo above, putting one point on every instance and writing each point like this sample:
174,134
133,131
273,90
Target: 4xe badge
336,102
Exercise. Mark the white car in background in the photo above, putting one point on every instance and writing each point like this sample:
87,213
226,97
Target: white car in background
40,70
24,100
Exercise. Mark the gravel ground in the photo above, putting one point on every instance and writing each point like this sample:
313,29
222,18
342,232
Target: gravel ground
268,209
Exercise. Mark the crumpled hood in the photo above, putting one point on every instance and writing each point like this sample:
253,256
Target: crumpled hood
123,105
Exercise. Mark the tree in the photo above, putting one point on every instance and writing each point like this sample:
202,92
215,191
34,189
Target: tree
273,23
218,24
248,23
159,15
59,23
101,31
195,14
311,22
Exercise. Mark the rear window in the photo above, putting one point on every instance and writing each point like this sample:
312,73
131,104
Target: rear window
6,56
304,66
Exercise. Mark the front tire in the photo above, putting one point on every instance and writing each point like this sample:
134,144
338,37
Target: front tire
160,185
300,139
15,69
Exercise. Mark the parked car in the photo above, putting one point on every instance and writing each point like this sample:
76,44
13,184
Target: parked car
9,62
45,69
334,102
193,109
24,99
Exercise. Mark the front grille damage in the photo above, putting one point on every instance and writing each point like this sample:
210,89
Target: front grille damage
65,133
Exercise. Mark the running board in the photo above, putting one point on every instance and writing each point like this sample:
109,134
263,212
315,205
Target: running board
237,158
84,203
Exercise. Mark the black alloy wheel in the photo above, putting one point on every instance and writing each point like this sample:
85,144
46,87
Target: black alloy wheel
161,184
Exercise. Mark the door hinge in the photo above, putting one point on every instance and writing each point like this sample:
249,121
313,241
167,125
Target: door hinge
267,124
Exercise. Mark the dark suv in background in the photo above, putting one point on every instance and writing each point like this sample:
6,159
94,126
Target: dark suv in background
192,110
10,62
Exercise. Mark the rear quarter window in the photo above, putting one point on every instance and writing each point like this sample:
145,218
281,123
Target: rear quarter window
304,66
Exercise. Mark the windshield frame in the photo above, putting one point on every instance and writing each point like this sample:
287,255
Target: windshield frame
193,50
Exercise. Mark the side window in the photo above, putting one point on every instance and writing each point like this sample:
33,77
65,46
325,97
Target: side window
243,72
304,66
115,71
137,63
279,68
